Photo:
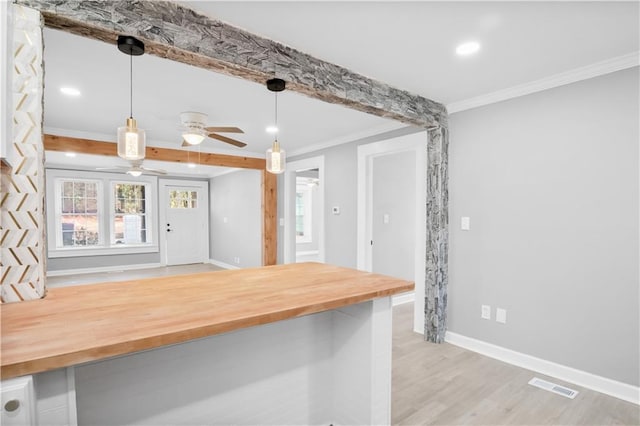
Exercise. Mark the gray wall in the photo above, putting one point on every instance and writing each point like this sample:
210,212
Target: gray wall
394,183
341,168
236,196
550,182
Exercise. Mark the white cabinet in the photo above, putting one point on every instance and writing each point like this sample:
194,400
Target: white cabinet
18,402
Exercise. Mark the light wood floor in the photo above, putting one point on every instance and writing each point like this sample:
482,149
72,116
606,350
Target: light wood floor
446,385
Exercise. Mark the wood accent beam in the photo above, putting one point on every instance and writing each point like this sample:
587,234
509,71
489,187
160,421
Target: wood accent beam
175,32
87,146
269,180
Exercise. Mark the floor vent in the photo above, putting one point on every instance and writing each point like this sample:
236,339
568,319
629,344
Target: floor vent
552,387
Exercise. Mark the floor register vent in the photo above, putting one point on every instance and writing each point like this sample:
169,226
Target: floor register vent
552,387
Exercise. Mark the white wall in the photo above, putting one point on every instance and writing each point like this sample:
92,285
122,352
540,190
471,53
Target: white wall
316,211
235,215
550,182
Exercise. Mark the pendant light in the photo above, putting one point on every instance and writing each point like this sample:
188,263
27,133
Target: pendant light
131,140
276,156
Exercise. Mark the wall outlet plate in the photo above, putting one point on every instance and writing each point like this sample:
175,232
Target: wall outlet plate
501,315
465,223
486,312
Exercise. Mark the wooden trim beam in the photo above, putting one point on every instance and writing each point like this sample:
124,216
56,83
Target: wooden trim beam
269,180
175,32
88,146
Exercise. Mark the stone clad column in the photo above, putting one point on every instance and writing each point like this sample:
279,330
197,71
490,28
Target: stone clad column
436,277
22,222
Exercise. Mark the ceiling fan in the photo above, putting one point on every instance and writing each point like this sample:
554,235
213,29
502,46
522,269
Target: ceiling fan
135,169
195,130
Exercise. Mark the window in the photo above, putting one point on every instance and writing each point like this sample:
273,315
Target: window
79,214
90,213
183,199
303,214
129,224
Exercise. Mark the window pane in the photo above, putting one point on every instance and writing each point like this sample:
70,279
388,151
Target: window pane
67,189
67,205
79,205
92,205
78,189
194,195
91,189
67,239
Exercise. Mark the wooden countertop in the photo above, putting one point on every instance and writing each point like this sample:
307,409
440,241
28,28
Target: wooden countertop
73,325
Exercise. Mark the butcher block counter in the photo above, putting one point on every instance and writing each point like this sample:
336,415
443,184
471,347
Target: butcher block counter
290,344
72,325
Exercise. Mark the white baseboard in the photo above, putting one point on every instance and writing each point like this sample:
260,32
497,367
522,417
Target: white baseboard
222,264
116,268
403,298
591,381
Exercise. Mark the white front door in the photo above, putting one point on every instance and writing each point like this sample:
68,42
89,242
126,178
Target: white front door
184,221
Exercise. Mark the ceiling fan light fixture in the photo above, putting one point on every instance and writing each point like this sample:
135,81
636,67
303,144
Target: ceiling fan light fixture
272,129
193,137
131,140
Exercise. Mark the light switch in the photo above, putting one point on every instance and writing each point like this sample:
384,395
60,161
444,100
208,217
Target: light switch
385,218
465,223
486,312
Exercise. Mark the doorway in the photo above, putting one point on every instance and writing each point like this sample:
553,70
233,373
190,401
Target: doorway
184,225
304,211
392,213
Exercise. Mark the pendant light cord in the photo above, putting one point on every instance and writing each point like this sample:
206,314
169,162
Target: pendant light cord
130,86
276,118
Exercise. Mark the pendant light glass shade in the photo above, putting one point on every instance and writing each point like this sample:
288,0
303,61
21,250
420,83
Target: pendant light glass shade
131,141
276,159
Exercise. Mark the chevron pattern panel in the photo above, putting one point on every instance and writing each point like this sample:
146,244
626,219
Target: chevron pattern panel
22,223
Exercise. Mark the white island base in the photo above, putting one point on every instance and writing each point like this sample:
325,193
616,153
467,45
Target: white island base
332,367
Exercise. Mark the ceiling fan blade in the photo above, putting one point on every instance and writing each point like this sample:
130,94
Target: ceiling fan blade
153,171
227,140
224,129
113,168
185,143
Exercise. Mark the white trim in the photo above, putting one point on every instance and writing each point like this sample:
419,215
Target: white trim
403,298
578,74
72,409
347,138
416,142
307,253
115,268
591,381
289,245
222,264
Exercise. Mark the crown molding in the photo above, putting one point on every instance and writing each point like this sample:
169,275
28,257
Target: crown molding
583,73
387,127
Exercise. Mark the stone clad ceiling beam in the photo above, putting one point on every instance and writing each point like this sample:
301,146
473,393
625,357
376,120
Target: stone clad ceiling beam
175,32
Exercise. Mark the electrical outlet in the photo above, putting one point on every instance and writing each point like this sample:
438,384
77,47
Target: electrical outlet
465,223
501,315
486,312
281,221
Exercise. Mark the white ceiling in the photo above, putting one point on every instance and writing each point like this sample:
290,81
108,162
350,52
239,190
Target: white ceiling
410,45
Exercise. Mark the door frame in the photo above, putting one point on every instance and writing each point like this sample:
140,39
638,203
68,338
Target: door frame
289,246
162,214
417,143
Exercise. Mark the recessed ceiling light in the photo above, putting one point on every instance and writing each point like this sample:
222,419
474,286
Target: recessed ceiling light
271,129
191,165
70,154
468,48
70,91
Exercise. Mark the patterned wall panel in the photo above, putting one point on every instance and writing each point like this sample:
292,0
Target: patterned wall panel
22,251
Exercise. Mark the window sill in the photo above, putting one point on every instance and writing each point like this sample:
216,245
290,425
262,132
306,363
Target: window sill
101,251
